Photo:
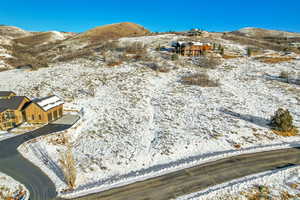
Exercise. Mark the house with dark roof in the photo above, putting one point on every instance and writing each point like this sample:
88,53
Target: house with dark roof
12,110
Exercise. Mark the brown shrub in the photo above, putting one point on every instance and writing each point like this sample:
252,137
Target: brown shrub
201,79
113,63
208,62
135,48
158,68
163,69
255,42
136,51
24,57
109,46
284,75
75,54
227,56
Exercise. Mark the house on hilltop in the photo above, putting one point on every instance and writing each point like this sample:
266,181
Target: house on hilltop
191,48
194,32
14,110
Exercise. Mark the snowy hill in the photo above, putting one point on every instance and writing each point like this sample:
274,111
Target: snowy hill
262,33
114,31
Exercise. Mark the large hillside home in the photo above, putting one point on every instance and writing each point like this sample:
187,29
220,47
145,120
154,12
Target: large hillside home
12,110
44,110
192,49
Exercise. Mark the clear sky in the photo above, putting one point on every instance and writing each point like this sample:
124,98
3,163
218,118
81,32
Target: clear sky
156,15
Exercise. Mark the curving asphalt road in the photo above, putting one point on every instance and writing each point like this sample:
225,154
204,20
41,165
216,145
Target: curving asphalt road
197,178
15,165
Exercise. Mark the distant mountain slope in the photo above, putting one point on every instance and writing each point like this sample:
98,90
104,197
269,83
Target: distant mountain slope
114,31
41,38
12,32
265,33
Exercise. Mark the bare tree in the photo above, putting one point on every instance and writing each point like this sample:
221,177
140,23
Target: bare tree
67,163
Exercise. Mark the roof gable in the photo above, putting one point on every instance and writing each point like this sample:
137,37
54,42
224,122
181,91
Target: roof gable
13,103
48,102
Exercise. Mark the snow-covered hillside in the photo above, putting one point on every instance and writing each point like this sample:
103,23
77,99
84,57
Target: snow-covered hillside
138,121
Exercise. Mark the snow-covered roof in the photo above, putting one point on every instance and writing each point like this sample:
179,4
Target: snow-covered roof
49,102
181,43
197,43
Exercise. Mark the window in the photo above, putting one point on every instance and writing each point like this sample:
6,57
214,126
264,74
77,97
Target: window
32,117
40,117
8,124
10,115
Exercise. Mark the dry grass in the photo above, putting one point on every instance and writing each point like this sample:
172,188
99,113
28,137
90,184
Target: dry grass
257,193
24,57
294,185
290,133
114,63
272,60
286,196
163,69
284,75
158,68
228,56
254,42
237,146
201,79
74,55
35,39
59,140
114,31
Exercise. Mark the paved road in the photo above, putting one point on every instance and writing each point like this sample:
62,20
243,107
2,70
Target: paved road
200,177
13,164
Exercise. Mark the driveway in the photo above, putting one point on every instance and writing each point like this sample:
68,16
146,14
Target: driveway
197,178
13,164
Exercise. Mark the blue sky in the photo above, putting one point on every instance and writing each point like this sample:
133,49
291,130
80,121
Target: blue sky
156,15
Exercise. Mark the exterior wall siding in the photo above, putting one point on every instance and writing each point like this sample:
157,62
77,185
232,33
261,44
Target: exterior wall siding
36,115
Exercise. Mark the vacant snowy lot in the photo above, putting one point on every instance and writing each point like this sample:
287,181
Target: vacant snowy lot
138,121
279,185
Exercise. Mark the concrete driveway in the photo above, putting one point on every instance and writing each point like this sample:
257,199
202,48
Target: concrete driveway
13,164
